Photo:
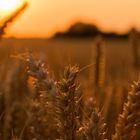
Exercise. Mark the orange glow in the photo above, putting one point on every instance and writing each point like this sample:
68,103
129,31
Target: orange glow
7,6
45,17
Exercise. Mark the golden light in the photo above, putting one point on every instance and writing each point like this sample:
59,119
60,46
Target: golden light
9,5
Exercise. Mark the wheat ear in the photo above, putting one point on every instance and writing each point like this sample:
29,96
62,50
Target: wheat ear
125,128
67,104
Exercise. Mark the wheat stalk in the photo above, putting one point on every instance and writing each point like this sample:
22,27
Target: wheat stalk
134,39
42,78
125,128
100,64
93,127
67,102
42,107
11,18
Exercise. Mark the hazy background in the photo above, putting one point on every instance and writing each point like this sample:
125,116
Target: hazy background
44,17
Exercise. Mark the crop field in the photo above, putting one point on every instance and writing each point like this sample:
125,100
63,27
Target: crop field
69,88
41,79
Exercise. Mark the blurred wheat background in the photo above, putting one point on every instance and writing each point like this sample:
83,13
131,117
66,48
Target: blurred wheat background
69,88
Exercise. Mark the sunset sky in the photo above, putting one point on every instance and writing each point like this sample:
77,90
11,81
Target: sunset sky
44,17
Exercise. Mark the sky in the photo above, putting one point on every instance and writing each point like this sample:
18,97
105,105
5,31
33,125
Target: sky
43,18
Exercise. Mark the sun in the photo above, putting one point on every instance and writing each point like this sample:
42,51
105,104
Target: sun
9,5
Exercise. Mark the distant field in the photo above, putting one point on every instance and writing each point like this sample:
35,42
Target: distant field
118,53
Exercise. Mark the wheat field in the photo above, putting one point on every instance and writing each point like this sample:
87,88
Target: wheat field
69,89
